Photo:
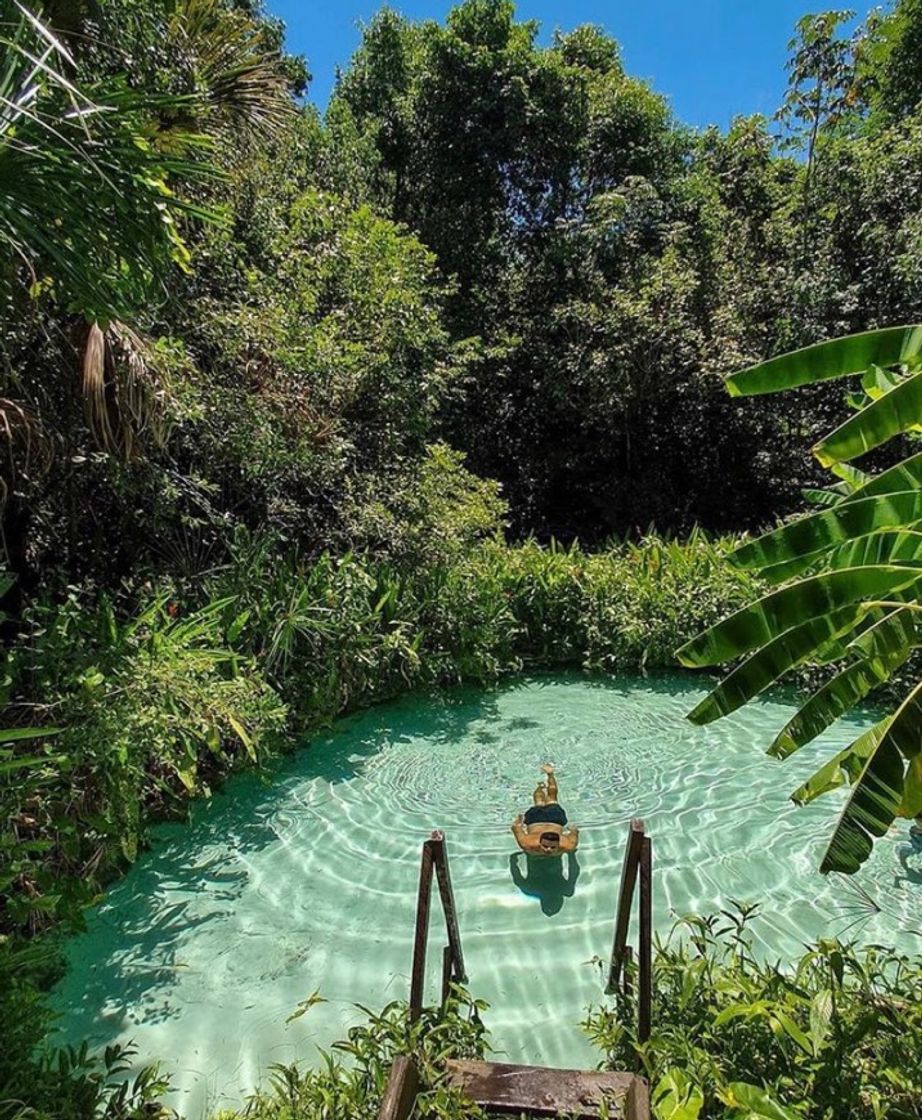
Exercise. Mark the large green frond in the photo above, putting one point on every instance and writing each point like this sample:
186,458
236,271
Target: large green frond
761,622
896,412
878,793
771,662
823,361
881,650
819,532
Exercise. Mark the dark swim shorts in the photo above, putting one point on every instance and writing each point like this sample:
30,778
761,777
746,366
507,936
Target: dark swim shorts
546,814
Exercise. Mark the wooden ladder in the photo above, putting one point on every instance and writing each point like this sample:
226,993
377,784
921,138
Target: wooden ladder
506,1089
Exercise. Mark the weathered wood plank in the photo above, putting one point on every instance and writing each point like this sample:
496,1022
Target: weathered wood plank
402,1087
543,1092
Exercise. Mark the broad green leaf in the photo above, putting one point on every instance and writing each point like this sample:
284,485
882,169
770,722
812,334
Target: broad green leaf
844,767
883,648
187,775
750,1102
782,1024
822,1008
772,661
677,1097
823,361
236,627
876,382
852,478
17,734
899,411
764,620
777,574
893,546
824,498
906,475
878,793
830,528
912,789
243,736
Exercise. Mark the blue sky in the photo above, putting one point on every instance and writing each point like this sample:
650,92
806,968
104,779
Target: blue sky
712,58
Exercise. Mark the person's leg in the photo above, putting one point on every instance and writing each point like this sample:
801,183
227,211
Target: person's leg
540,795
551,785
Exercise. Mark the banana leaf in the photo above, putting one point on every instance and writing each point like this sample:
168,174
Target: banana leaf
878,793
912,789
898,411
777,574
852,478
906,475
900,546
846,766
824,498
771,662
761,622
823,361
829,528
882,649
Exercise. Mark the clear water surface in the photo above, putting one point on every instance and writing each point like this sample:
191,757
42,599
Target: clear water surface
276,889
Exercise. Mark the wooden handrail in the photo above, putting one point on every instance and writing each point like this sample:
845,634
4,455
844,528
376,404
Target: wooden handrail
638,862
625,899
434,857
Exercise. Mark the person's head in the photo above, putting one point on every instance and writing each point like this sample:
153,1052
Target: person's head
550,843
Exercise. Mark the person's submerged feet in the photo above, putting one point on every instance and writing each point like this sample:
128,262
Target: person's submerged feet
542,830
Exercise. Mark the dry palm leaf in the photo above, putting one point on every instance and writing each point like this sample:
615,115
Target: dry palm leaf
28,449
126,391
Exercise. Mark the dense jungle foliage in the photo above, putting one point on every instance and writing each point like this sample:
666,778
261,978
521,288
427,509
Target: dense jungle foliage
296,406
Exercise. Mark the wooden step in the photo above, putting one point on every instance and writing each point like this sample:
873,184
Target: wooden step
576,1093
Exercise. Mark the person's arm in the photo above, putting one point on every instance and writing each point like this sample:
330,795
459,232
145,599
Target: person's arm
520,832
570,839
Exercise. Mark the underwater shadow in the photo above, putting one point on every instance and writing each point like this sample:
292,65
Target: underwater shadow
545,879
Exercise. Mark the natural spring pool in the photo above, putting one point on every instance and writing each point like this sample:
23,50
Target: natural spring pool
275,889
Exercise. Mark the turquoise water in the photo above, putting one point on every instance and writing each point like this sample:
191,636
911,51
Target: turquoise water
205,948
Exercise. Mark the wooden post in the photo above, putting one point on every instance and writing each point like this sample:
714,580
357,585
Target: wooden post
446,894
627,985
645,945
422,932
447,973
637,1101
625,897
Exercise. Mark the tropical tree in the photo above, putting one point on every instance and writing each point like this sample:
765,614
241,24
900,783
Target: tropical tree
848,589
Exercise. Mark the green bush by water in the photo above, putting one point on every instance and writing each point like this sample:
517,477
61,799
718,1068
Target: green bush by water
158,708
833,1036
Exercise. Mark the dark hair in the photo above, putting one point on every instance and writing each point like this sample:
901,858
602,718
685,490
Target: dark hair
550,837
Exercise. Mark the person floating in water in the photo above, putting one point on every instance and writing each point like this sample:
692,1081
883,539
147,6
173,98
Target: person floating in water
541,831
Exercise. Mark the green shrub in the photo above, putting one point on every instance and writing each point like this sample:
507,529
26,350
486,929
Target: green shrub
352,1090
837,1036
152,710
